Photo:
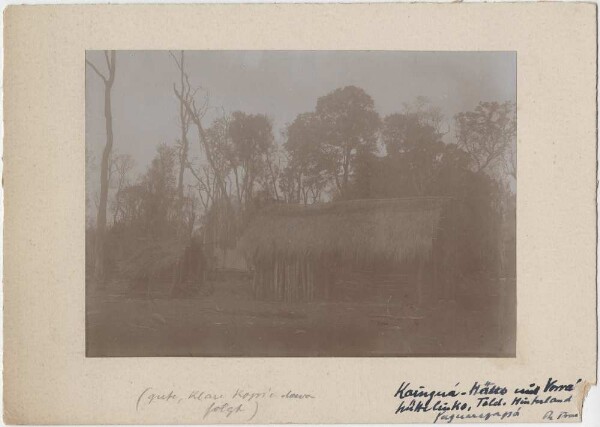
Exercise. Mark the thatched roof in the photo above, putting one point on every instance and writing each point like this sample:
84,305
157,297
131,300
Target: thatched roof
392,229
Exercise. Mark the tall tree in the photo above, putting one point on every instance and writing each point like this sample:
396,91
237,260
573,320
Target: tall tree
307,165
184,123
349,122
251,142
99,265
219,143
196,115
413,141
419,123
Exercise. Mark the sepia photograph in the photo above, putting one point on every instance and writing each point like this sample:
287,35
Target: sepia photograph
319,203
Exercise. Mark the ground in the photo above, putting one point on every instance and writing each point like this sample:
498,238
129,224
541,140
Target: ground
225,320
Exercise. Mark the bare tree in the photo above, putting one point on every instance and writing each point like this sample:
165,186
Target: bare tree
104,167
196,114
184,123
205,185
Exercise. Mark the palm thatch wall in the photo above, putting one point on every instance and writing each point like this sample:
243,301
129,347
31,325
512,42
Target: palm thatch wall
296,249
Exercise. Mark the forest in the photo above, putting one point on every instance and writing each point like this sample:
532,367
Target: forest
160,235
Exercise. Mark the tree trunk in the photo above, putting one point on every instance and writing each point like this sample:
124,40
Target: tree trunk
99,266
346,168
184,141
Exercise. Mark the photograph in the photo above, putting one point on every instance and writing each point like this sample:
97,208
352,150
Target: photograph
300,203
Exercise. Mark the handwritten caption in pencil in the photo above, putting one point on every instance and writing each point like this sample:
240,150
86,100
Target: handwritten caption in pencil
239,405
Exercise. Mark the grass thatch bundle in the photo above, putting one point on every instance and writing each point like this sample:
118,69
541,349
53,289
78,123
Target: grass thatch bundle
393,229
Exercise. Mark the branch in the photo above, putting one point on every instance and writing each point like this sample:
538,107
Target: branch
111,65
107,59
191,110
194,173
175,59
196,117
97,71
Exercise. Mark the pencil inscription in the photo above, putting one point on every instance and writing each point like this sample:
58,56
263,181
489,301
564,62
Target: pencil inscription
240,405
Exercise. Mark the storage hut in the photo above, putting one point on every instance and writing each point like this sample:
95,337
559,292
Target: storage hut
297,251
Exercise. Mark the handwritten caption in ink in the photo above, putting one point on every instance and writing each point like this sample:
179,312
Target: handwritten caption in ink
486,401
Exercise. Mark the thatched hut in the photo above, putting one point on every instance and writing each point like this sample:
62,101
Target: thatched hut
297,251
178,265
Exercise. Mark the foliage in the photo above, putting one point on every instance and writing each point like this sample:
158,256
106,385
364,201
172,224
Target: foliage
307,167
349,123
487,133
251,140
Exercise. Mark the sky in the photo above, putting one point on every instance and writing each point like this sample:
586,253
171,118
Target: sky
281,85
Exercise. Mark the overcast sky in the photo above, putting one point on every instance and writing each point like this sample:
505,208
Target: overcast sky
280,84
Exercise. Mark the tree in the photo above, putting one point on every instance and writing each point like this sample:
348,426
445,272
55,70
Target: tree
104,167
306,171
413,141
90,168
120,169
196,114
273,172
160,183
418,124
488,137
251,137
487,134
189,211
219,143
348,122
287,182
510,164
184,122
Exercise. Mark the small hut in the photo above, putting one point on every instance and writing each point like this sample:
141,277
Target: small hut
176,267
298,251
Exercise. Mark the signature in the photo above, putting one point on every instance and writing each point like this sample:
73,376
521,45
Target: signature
562,415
